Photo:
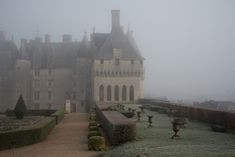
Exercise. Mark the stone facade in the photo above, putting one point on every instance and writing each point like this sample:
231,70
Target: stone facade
106,68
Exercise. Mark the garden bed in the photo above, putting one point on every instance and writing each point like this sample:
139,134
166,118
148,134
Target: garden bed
28,134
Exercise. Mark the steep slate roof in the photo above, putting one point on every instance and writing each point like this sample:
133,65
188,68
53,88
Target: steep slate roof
117,39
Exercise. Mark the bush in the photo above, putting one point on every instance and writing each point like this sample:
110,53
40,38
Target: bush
26,136
93,128
59,115
93,116
94,133
96,143
20,108
128,114
40,112
93,123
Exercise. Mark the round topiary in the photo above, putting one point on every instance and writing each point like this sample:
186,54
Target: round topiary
93,128
93,117
96,143
93,123
94,133
20,108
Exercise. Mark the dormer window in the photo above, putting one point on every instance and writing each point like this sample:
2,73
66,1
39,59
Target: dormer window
117,53
101,61
117,61
141,62
132,61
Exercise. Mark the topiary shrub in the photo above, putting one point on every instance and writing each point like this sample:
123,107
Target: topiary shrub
96,143
93,123
20,108
93,116
93,128
94,133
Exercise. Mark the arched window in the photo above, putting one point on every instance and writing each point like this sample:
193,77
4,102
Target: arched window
109,93
131,93
116,93
123,93
101,93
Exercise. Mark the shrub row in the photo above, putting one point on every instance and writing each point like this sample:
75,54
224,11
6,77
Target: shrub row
118,128
41,112
123,112
59,115
26,136
95,139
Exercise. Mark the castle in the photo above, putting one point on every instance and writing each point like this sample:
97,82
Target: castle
108,68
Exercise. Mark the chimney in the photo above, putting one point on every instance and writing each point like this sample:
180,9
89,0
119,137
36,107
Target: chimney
2,36
67,38
23,43
38,39
47,38
115,18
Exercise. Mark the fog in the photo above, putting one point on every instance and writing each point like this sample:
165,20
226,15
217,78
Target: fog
188,45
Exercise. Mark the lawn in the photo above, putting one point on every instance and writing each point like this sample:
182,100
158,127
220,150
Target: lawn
197,140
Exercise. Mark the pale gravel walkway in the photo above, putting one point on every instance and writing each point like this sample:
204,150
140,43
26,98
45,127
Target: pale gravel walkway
68,139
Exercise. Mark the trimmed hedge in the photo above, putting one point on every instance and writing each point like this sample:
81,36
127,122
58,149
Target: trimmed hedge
93,123
42,112
93,128
122,111
94,133
59,115
26,136
117,127
96,143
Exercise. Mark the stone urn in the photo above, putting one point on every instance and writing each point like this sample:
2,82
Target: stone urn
150,117
175,128
138,115
142,109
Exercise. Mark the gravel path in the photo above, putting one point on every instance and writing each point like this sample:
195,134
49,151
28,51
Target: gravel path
68,139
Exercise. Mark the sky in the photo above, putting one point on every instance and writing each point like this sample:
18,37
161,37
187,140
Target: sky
188,45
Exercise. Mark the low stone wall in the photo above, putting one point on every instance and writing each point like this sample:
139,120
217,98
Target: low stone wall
117,127
211,116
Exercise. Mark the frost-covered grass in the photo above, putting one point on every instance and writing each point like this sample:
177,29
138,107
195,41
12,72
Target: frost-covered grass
197,140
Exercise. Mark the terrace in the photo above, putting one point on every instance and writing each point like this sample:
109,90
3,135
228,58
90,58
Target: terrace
196,139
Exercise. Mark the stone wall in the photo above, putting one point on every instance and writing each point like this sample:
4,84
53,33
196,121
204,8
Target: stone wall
224,118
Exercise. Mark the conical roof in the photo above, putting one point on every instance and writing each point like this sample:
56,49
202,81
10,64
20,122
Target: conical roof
118,40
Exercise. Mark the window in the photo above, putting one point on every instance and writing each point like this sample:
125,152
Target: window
36,95
49,72
74,84
49,95
116,93
49,106
36,106
49,83
132,61
74,95
36,83
101,61
141,62
101,93
37,72
131,94
109,93
123,93
117,61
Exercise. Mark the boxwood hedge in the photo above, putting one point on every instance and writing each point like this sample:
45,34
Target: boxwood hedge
25,136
